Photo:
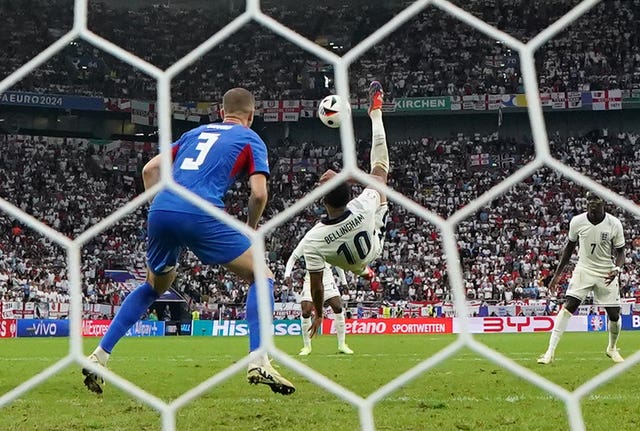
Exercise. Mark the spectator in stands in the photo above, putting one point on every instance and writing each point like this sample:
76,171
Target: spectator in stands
153,316
166,313
454,61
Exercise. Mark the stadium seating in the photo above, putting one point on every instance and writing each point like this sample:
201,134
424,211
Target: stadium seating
507,249
432,55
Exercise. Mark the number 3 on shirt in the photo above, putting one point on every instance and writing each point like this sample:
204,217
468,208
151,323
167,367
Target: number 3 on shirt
205,142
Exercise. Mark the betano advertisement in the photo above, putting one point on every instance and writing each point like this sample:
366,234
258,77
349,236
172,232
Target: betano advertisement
392,326
10,328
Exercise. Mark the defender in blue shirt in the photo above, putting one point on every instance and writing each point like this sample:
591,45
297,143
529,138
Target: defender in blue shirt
206,161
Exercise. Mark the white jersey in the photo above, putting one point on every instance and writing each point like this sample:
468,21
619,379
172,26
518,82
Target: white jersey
350,241
596,243
327,275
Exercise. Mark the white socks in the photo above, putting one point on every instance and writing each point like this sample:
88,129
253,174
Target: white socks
562,320
259,359
102,356
340,327
306,324
379,151
614,333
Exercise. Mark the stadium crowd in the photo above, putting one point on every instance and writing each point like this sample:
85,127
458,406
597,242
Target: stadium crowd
433,54
507,249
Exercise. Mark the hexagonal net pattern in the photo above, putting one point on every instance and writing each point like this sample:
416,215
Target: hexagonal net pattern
341,64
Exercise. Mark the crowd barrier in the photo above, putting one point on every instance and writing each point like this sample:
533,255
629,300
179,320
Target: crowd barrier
10,328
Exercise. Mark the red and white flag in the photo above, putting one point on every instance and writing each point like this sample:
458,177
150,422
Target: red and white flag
606,100
144,113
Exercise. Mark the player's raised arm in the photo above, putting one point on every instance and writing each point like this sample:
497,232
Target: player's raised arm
295,255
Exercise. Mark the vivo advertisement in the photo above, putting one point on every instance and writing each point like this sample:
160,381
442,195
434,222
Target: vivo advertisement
43,328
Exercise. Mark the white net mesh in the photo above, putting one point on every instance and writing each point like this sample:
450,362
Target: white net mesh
447,227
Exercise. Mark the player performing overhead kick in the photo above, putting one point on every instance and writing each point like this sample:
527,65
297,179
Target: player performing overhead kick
352,234
598,236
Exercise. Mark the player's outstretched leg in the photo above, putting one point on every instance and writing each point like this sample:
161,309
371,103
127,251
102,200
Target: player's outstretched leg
379,156
260,370
132,308
376,96
562,320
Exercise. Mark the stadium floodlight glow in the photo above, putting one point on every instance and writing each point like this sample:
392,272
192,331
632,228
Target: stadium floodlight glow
341,64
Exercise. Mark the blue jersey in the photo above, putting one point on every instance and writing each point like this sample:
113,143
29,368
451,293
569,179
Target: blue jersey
207,159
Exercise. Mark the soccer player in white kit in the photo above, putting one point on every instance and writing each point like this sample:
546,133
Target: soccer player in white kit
352,234
599,236
332,299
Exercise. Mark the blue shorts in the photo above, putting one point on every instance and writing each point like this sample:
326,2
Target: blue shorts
169,233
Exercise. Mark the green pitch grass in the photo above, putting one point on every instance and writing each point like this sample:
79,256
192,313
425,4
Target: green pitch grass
466,392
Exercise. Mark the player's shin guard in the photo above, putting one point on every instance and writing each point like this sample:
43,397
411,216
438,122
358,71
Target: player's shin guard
614,333
340,328
134,306
379,150
306,324
252,313
562,320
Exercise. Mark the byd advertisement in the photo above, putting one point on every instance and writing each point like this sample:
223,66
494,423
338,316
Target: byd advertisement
515,324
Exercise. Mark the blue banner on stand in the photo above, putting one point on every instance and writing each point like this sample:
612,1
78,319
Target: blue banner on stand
43,328
202,328
596,323
15,98
185,328
630,322
146,328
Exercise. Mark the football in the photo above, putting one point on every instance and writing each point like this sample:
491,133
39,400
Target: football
329,110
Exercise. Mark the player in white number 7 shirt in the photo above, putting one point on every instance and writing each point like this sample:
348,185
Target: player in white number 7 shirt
352,234
599,236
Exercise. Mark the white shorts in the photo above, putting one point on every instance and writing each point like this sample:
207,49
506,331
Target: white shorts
330,291
582,283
